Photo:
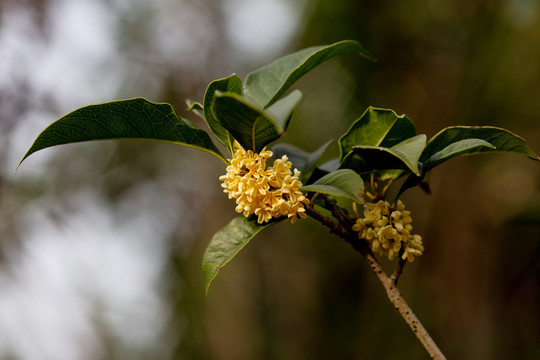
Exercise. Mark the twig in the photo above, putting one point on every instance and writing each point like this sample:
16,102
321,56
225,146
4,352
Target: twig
389,283
399,268
354,241
399,303
326,221
336,213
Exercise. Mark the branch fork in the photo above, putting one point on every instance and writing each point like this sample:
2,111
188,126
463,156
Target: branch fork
344,230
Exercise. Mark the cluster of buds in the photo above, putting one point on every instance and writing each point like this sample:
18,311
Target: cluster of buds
266,192
388,230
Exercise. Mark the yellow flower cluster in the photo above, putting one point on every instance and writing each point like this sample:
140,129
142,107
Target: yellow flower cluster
388,230
267,193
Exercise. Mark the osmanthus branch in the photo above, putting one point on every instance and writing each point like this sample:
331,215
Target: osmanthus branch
344,231
326,221
337,213
399,268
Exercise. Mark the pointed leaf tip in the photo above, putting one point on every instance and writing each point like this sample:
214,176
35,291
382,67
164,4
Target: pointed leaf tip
267,84
227,243
135,118
468,140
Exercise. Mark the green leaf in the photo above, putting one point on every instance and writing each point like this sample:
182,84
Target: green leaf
226,243
389,174
312,161
250,125
266,84
402,129
124,119
376,127
330,165
300,159
448,143
196,107
404,155
230,84
343,183
458,148
297,156
411,181
282,109
466,140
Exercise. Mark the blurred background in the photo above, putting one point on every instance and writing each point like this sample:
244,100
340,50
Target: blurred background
101,243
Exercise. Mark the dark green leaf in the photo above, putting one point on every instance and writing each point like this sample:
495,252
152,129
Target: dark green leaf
404,155
230,84
466,140
282,109
343,183
413,180
297,156
196,107
251,126
457,148
402,130
330,165
265,85
376,127
312,161
125,119
384,175
301,160
226,243
440,148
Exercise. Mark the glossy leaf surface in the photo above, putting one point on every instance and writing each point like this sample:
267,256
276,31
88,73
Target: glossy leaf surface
343,183
226,243
301,159
267,84
297,156
250,125
404,156
458,148
467,140
437,149
375,128
230,84
402,129
311,162
124,119
196,107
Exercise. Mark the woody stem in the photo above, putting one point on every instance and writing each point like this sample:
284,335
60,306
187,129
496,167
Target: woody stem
343,230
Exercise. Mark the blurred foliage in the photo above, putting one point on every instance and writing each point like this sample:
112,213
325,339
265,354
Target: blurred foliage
296,292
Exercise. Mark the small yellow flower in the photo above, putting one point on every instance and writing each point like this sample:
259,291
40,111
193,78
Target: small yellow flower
413,248
266,192
388,230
